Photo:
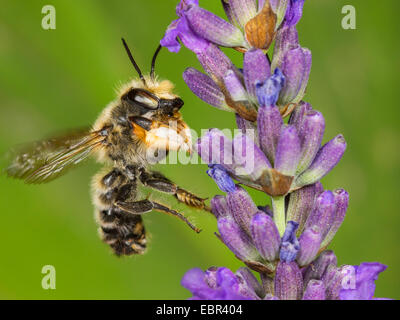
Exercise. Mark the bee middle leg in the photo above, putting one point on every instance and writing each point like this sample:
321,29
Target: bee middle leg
159,182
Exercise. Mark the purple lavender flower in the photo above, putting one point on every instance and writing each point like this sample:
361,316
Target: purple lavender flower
215,284
285,244
250,25
321,281
289,157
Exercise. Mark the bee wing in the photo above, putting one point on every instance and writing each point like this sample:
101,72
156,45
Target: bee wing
46,160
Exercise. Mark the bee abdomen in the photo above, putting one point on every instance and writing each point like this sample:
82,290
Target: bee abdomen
122,231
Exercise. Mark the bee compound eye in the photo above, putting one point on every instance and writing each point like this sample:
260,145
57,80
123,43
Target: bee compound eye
142,98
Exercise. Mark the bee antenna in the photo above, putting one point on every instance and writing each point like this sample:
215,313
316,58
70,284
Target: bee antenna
153,62
133,61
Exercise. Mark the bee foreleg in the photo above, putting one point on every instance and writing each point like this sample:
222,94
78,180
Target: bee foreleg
158,182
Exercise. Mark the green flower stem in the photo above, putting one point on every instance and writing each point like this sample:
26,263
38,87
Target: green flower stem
278,205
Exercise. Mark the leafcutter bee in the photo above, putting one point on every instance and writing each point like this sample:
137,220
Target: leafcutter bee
129,135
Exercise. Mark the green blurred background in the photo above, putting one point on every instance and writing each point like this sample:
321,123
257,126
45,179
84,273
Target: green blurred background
60,79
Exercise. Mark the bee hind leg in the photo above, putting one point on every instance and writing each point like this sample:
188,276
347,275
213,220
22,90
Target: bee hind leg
145,206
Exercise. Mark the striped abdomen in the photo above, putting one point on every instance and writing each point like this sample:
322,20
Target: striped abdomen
123,231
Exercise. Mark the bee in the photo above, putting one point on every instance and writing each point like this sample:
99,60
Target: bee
129,135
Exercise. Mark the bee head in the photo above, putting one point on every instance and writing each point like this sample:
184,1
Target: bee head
156,119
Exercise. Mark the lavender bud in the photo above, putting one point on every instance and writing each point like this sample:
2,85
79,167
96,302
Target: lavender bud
315,290
242,207
215,62
323,212
318,268
294,12
311,134
297,116
265,236
256,69
296,67
269,128
236,240
243,10
250,280
219,206
342,202
286,39
288,281
213,28
248,158
267,283
332,279
234,86
205,88
289,245
300,204
310,242
287,151
327,158
214,147
247,127
279,7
